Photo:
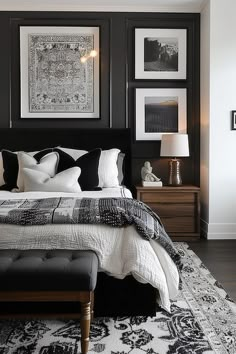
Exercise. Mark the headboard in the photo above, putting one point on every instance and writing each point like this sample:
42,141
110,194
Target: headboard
86,139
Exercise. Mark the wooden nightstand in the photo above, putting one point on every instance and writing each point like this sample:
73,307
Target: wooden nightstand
178,208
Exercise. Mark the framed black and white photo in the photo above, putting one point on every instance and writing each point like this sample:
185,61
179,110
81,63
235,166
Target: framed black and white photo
59,72
233,126
160,111
160,53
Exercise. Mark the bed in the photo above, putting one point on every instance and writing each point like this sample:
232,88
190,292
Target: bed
131,269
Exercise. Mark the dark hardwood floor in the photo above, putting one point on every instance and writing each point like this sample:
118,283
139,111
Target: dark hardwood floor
219,256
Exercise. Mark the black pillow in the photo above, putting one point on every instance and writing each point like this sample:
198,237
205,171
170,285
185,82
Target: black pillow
42,153
11,167
88,163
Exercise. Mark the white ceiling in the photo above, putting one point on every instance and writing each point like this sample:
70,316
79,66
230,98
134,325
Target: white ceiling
102,5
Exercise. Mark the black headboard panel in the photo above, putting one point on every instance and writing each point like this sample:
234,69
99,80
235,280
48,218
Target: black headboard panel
85,139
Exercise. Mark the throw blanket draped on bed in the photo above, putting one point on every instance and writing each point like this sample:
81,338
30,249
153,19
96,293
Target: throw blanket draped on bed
117,212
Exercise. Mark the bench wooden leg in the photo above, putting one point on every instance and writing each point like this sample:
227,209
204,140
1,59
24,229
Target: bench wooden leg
92,305
85,326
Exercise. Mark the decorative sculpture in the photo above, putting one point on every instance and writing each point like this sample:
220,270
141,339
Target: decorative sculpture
146,173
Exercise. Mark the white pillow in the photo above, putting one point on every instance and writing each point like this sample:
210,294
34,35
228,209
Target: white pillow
47,164
120,163
73,152
107,169
65,181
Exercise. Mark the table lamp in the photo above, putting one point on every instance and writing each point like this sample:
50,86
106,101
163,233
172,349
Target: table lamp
174,145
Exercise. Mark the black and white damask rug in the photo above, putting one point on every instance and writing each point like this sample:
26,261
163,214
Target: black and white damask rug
202,321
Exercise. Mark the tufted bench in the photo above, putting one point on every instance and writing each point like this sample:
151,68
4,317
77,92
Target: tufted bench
58,275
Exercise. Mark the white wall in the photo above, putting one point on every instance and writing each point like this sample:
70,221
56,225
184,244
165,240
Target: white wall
218,99
205,112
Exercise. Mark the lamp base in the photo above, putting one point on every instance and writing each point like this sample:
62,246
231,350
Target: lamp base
174,173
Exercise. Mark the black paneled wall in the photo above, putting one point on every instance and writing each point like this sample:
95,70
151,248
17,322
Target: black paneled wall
117,78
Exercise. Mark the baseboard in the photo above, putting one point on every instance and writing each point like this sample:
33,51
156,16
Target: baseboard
218,231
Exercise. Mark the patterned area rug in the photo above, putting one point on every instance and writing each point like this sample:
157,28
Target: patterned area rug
202,321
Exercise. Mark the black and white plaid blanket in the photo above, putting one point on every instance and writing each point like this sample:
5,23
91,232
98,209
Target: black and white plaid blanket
117,212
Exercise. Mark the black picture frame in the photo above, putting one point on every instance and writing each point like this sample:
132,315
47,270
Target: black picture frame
233,120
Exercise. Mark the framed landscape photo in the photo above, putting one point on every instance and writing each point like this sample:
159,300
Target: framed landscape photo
160,111
160,53
233,126
59,72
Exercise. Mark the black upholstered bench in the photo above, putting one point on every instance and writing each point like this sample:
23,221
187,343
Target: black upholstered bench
45,276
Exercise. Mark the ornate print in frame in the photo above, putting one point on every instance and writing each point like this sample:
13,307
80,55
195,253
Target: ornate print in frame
160,53
59,72
160,111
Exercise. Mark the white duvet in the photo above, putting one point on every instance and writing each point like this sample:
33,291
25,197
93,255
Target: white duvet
121,251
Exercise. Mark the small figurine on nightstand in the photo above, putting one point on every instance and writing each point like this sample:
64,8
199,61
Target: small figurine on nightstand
148,178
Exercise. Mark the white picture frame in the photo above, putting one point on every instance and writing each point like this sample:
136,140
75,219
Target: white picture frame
160,111
160,54
54,82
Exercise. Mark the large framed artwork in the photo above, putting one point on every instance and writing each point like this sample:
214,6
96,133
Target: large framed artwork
160,53
59,72
160,111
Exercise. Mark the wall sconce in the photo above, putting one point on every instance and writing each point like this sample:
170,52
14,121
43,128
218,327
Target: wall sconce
174,145
92,54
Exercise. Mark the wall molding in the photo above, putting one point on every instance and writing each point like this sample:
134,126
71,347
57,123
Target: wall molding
218,231
204,4
118,83
105,116
41,6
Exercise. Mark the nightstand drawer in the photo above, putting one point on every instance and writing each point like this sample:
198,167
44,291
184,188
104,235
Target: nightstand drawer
179,224
167,197
177,207
171,210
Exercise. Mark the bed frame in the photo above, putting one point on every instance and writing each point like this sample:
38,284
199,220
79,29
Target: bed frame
113,297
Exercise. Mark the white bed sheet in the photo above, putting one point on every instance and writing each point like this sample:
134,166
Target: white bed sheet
117,192
121,251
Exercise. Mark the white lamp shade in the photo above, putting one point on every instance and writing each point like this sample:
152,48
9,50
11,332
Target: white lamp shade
174,145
